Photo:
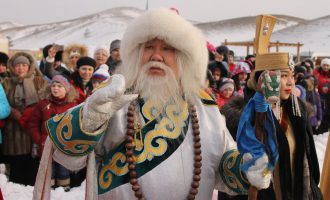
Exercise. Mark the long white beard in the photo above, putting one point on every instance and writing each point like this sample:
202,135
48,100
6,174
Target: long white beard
162,90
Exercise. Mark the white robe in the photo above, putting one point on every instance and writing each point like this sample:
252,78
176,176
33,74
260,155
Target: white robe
172,178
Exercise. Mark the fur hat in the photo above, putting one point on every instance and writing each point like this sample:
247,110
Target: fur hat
115,44
226,83
102,73
21,60
63,81
325,61
166,25
3,58
32,67
86,61
82,49
102,48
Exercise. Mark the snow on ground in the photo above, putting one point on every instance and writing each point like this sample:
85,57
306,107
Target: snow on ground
12,191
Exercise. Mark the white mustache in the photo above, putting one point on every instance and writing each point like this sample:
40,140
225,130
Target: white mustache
150,64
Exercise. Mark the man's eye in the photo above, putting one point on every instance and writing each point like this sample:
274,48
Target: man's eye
148,47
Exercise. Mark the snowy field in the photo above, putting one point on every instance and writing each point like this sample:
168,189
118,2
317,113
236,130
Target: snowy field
13,191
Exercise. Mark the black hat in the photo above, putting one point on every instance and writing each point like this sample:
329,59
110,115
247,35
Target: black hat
58,56
222,50
86,61
3,58
300,69
249,56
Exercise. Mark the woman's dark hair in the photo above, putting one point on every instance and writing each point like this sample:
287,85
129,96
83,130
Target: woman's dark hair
210,78
77,81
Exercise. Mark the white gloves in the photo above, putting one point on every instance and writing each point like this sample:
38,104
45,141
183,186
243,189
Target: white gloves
258,174
104,102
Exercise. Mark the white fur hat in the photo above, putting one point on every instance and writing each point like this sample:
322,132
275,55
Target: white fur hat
325,61
167,25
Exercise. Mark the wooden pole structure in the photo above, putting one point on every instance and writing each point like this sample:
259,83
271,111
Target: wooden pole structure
277,46
325,176
298,52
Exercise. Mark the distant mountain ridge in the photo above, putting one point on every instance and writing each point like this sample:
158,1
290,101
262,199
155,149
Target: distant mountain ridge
103,27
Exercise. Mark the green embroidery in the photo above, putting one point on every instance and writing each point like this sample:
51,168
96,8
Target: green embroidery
161,136
231,174
69,138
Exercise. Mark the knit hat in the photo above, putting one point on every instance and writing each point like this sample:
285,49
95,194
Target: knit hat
101,48
63,81
210,47
3,58
86,61
325,61
115,44
226,83
21,60
102,73
241,67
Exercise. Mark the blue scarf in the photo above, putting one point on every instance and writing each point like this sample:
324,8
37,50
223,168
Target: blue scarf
246,138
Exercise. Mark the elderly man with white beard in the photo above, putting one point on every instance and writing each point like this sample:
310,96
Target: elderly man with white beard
150,132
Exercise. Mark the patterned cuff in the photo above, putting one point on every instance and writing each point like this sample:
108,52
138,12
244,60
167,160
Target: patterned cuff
67,134
231,173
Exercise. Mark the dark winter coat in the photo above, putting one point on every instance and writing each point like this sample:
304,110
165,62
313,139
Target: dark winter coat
113,64
16,141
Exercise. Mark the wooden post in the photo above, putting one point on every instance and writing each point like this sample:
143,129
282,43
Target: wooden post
277,46
247,49
298,52
225,42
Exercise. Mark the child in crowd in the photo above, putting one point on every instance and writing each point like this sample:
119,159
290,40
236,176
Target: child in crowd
226,90
100,75
60,96
240,76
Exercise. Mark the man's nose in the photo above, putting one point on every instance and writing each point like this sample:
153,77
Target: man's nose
156,55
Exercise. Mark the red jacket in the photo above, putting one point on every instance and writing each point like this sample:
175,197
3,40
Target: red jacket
34,119
323,79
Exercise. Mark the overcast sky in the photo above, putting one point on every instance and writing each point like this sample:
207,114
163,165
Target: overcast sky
44,11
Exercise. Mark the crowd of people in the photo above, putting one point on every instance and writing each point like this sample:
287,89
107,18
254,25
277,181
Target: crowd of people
73,105
32,94
311,83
